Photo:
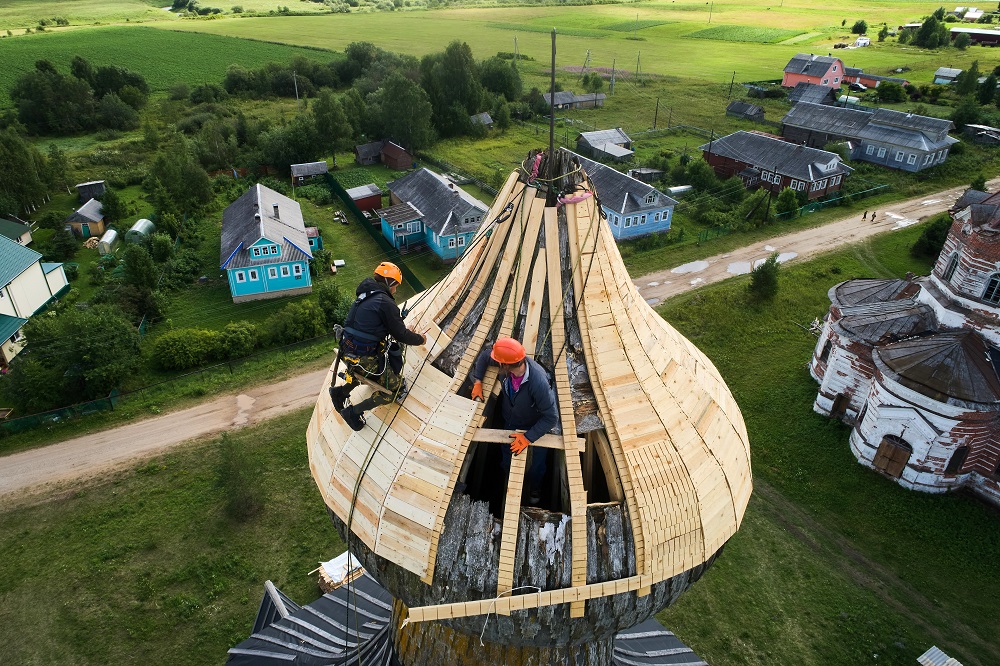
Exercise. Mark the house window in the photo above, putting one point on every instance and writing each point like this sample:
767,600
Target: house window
256,252
949,271
836,79
400,225
272,272
825,354
881,152
274,249
826,81
461,241
835,68
643,220
656,217
927,159
892,455
254,276
651,198
241,276
899,156
297,270
992,293
870,149
628,222
911,159
451,242
957,460
412,227
285,272
616,220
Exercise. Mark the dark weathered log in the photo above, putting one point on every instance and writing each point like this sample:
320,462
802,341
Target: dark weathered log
466,569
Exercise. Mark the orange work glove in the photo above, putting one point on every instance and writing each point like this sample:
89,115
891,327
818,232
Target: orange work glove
519,444
477,391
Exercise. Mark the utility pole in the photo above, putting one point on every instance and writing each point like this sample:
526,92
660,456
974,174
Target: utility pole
613,61
710,8
670,116
731,86
516,54
635,30
295,80
638,67
657,112
586,61
552,115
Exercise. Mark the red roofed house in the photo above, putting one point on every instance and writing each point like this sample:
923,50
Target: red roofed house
821,70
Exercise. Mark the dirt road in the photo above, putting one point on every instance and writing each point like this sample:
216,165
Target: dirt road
37,470
661,285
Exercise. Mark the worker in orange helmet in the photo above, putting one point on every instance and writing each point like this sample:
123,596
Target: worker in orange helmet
526,403
370,344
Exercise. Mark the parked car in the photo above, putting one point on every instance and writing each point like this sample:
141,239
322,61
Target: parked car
857,87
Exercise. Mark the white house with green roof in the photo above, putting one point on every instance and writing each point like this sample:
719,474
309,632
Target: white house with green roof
27,285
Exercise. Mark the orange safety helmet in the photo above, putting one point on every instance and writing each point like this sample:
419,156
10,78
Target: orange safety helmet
389,270
507,351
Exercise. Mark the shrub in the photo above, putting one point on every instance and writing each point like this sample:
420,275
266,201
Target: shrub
764,279
318,194
161,247
859,27
932,238
295,322
962,41
787,203
239,339
72,271
185,348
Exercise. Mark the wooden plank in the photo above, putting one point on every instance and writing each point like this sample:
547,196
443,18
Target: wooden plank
546,441
511,515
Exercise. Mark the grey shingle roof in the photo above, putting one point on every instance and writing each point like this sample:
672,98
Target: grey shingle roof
946,72
770,154
369,150
811,92
443,205
984,208
251,217
482,118
362,191
92,211
809,64
599,138
399,214
742,108
619,192
562,97
310,169
14,260
895,128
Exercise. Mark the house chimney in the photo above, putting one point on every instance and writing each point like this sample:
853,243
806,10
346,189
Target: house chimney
276,216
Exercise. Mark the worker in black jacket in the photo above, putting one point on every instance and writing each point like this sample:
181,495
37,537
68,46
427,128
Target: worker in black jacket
526,403
365,347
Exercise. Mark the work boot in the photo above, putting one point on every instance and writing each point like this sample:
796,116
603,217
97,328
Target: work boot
404,388
353,419
339,397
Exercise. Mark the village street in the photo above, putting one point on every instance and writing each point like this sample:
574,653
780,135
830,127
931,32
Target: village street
42,470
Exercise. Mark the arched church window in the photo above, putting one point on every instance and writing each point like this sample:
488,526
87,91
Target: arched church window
827,348
992,292
892,455
957,460
949,270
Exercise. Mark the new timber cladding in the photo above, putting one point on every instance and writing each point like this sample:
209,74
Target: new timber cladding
675,435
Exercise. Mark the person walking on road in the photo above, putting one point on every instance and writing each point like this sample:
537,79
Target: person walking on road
873,217
865,216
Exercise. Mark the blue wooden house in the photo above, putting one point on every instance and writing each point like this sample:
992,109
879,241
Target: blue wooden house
633,208
428,210
265,249
315,237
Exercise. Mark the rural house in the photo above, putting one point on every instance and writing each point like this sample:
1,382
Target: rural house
914,366
612,144
806,67
983,134
427,209
483,119
27,285
87,220
761,160
858,75
893,139
93,189
396,157
366,197
567,99
984,35
16,230
307,171
633,208
368,153
810,92
265,249
745,110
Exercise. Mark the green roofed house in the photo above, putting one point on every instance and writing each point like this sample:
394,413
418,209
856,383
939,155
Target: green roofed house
16,230
26,287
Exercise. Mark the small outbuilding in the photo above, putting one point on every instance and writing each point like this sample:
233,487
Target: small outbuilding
396,157
87,220
141,230
946,75
982,134
612,144
17,230
93,189
109,242
483,119
315,237
308,170
745,110
366,197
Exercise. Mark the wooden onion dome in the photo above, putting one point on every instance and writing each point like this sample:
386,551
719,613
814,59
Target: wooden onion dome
648,476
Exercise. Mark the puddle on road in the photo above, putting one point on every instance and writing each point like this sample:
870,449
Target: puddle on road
692,267
244,404
744,267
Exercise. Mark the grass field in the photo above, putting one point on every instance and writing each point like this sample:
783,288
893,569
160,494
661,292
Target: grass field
744,33
834,565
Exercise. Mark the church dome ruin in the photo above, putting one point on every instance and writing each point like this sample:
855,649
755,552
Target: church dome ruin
649,468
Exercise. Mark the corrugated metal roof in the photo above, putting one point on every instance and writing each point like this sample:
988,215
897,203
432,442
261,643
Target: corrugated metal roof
621,193
49,267
369,150
310,169
11,229
868,290
885,126
946,73
809,64
952,365
327,632
443,205
744,108
599,138
362,191
936,657
399,214
812,93
14,260
251,217
770,154
481,118
9,326
92,211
